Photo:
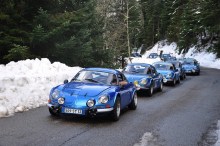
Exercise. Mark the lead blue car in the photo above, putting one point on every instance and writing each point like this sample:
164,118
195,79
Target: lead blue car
144,76
93,91
169,72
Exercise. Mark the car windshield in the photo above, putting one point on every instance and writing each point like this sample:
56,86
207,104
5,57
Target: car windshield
177,64
162,66
153,55
136,55
166,55
94,77
137,69
188,62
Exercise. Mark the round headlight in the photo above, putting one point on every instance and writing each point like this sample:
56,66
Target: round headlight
61,100
144,81
136,83
168,75
55,94
90,103
103,99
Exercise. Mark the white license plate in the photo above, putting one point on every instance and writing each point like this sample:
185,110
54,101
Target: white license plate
72,111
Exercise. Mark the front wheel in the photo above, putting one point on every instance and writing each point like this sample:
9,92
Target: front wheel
161,87
133,104
117,110
178,81
53,112
174,82
150,91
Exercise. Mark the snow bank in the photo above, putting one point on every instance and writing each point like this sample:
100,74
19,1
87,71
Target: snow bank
206,59
26,84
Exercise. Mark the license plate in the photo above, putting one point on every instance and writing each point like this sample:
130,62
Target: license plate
73,111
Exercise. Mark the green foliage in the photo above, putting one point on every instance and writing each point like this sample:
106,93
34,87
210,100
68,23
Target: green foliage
17,53
95,33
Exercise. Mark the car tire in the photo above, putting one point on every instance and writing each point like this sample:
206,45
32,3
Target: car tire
117,110
150,91
174,82
55,114
178,81
133,104
182,77
160,89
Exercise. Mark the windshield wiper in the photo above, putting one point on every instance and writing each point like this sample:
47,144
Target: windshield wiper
92,80
75,80
135,71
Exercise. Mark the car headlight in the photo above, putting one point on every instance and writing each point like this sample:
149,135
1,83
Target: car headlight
103,99
136,83
143,81
55,94
169,75
90,103
61,100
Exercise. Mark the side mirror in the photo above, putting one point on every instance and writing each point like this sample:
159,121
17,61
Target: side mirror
65,81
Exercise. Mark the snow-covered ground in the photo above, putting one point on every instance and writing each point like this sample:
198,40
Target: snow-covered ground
205,59
26,84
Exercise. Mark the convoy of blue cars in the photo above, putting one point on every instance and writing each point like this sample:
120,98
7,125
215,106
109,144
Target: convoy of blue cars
98,91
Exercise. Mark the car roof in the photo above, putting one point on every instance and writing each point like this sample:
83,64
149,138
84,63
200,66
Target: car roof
165,63
173,61
143,64
108,70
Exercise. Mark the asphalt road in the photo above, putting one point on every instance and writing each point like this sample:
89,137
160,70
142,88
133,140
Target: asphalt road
179,116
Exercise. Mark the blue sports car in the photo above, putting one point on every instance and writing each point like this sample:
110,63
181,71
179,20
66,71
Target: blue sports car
93,91
191,66
178,65
144,76
168,70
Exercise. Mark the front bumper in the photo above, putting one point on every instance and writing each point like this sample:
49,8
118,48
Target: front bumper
89,111
191,71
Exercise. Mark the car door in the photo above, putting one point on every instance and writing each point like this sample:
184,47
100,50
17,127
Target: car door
176,72
125,91
156,77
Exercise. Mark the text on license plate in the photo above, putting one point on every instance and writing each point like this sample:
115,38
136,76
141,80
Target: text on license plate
72,111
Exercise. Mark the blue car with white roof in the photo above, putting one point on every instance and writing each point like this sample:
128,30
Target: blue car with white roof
93,91
144,76
169,72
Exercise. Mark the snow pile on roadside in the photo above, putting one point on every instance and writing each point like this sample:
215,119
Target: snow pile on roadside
206,59
165,47
26,84
160,46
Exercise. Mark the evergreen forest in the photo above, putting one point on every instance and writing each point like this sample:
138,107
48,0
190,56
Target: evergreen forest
97,32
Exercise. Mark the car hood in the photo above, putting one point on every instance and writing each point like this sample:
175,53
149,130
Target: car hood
84,89
134,77
188,66
164,72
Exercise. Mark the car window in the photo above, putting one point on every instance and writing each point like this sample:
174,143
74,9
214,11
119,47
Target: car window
162,66
137,69
153,70
149,72
94,77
